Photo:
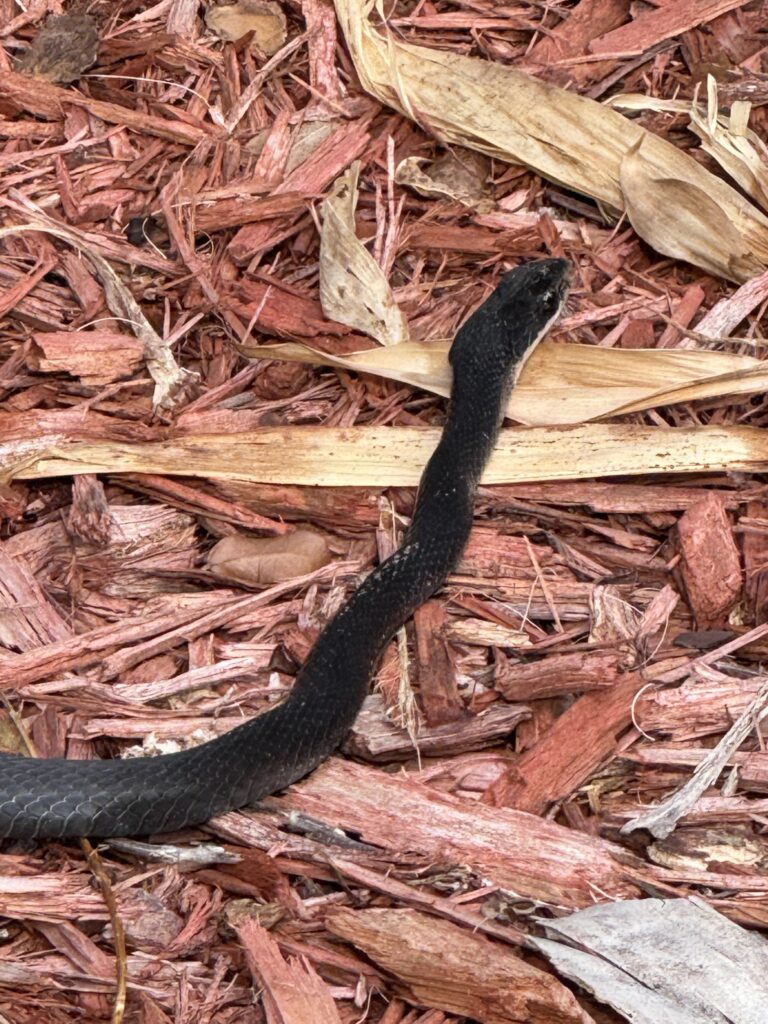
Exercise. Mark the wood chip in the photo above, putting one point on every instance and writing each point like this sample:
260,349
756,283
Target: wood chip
437,964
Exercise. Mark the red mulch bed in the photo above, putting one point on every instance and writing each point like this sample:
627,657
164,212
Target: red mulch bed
597,641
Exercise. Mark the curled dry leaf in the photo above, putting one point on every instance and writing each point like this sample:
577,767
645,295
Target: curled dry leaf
353,289
458,174
739,151
262,17
685,216
268,559
566,138
728,139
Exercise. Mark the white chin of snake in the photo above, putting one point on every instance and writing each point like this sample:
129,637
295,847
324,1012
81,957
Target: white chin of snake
535,343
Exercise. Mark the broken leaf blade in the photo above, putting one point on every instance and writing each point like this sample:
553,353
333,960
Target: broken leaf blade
353,288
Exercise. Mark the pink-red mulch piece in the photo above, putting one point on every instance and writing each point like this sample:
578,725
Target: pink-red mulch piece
439,694
755,548
577,667
513,850
655,26
437,964
571,750
293,991
710,565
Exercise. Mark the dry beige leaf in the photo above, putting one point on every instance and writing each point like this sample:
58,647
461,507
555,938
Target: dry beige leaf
254,560
684,215
727,139
353,288
305,140
412,362
566,138
561,383
262,17
395,456
738,150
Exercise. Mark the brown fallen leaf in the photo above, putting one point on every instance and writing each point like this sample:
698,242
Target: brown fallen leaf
268,559
459,174
63,49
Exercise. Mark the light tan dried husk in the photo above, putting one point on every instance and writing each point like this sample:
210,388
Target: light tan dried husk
727,139
395,456
676,205
353,288
561,383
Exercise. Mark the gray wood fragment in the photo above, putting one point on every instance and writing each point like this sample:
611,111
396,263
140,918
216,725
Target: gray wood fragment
670,961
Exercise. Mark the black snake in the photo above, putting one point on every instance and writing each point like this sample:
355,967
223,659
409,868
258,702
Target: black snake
58,797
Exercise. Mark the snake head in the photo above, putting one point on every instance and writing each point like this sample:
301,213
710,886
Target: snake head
525,303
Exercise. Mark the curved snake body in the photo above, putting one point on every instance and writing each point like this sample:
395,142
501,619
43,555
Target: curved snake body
58,798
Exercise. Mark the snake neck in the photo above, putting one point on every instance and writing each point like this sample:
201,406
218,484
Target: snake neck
442,520
469,435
